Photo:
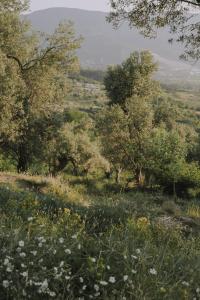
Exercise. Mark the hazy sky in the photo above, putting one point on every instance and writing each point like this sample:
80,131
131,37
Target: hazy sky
101,5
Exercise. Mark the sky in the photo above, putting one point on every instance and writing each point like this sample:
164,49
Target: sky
101,5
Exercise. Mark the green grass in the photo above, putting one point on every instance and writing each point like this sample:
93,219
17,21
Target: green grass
62,241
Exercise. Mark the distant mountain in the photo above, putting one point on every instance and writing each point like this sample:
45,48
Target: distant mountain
103,45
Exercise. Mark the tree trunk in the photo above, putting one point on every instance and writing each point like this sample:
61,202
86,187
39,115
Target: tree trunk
118,175
23,159
139,177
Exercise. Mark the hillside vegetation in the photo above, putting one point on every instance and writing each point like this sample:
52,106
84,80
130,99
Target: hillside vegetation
66,239
99,173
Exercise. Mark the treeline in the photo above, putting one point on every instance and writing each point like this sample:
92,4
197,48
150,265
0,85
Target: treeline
138,136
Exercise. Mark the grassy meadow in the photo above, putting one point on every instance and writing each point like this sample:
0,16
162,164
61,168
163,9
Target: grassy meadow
74,239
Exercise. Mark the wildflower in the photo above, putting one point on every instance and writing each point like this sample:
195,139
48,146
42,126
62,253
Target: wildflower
44,285
138,251
41,260
97,294
74,236
134,271
30,219
6,261
61,240
5,284
79,246
68,251
104,283
67,277
62,264
125,257
198,290
22,254
125,277
134,257
24,274
93,259
18,249
81,279
9,268
23,265
54,251
108,267
34,253
40,245
21,243
96,287
112,279
185,283
52,294
153,271
84,287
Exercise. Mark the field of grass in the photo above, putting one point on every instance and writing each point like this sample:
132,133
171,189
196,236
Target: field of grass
73,238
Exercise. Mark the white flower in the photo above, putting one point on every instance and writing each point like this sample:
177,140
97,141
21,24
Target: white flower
18,249
112,279
9,268
108,267
23,265
40,245
68,251
67,277
104,283
125,256
22,254
44,285
62,264
185,283
74,236
96,287
81,279
134,257
34,253
138,251
84,287
30,219
52,294
97,294
5,284
198,290
125,277
93,259
61,240
134,271
79,246
24,274
6,261
21,243
54,251
152,271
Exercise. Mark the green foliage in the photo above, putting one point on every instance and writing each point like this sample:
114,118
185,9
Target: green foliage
33,79
131,78
109,250
152,15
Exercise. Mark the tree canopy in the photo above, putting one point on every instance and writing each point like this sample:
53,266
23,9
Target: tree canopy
148,16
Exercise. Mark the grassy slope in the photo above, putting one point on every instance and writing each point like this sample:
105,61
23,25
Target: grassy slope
73,239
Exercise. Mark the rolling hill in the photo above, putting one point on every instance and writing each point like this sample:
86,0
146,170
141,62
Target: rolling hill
104,45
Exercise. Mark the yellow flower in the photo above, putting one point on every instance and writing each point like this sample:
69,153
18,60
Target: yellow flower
67,211
143,222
